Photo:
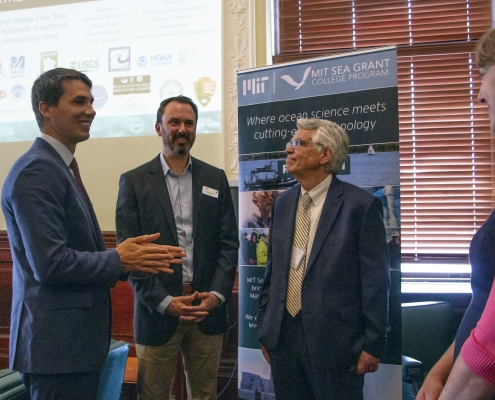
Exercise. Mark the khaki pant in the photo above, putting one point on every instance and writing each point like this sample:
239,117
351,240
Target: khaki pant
201,355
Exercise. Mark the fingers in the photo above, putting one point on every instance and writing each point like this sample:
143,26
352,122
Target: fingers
155,270
145,238
367,363
191,318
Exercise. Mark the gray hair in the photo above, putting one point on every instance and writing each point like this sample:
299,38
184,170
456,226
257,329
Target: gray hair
331,136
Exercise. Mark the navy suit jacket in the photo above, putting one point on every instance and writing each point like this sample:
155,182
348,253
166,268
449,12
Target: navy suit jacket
61,314
144,207
345,287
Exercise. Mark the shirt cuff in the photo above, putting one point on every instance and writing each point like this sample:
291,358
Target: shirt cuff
164,304
478,359
222,299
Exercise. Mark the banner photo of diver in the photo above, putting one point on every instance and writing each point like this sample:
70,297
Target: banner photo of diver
369,116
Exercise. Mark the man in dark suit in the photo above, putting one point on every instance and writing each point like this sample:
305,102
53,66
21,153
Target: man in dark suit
61,314
323,304
190,203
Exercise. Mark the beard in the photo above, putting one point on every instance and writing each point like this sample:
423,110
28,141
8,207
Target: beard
179,149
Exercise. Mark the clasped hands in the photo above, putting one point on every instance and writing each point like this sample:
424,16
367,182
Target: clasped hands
139,254
183,308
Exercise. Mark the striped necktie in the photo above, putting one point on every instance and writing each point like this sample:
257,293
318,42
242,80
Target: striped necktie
293,301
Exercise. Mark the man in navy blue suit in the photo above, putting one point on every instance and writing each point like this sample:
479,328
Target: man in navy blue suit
323,304
61,312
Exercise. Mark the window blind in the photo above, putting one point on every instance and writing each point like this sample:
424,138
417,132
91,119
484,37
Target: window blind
446,148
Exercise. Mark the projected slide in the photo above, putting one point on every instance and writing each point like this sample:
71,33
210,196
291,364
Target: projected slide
137,53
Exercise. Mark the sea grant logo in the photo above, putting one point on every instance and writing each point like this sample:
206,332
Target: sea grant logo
119,59
255,85
49,60
292,82
17,66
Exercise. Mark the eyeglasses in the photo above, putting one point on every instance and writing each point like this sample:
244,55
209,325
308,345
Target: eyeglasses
299,142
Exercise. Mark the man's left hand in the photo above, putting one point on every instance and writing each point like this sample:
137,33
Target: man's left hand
198,313
367,363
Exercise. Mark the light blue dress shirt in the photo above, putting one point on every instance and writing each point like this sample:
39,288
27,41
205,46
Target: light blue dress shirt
181,197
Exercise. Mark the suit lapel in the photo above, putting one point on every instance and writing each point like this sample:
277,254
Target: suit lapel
159,183
90,214
197,186
329,213
88,209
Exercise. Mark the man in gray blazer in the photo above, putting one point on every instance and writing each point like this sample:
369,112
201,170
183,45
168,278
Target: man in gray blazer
189,203
61,312
323,304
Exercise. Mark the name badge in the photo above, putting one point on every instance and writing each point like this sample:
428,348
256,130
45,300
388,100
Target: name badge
296,257
210,192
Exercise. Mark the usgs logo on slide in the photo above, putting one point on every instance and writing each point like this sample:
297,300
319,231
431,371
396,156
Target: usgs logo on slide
86,65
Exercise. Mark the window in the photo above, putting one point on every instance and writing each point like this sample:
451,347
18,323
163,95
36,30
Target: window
445,142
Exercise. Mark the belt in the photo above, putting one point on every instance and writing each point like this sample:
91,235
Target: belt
186,288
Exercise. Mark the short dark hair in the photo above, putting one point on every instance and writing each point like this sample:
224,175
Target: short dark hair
48,88
178,99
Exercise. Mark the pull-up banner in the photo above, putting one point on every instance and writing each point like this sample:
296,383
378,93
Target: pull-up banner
358,91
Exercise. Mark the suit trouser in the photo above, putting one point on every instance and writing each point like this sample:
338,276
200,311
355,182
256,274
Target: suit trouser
201,354
77,386
296,377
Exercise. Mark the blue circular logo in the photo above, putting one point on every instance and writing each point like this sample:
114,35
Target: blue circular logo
18,93
100,95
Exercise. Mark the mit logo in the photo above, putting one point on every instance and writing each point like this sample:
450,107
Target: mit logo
255,85
17,62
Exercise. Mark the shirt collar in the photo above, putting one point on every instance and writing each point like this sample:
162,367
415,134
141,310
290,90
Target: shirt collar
166,168
59,147
319,192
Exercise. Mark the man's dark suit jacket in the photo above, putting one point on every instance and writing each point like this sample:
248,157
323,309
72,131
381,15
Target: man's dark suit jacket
144,207
345,288
61,317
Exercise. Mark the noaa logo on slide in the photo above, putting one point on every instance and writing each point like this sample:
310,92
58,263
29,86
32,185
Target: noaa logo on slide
142,61
292,82
100,95
119,59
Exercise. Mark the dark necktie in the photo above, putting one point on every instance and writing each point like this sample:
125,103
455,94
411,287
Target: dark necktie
75,170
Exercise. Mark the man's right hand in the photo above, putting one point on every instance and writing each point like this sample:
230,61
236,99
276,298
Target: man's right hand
139,254
178,302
